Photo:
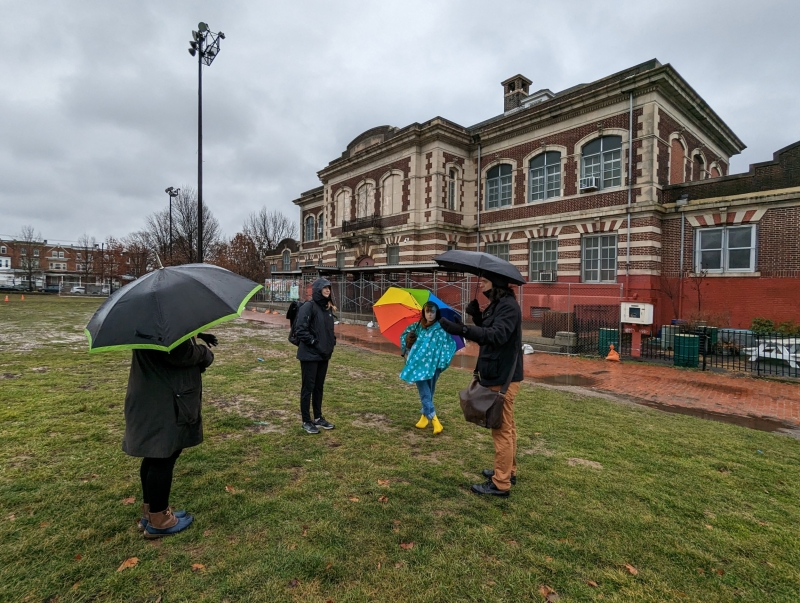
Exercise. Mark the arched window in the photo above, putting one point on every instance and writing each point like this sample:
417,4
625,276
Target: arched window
602,160
715,172
342,206
392,195
320,225
498,186
287,261
698,167
545,176
677,163
309,229
451,190
365,200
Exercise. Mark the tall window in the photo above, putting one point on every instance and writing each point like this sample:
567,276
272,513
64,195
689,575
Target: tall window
3,249
320,226
726,249
677,163
287,261
365,200
600,259
451,190
35,253
545,176
544,259
309,228
698,167
340,258
498,249
393,254
602,159
498,186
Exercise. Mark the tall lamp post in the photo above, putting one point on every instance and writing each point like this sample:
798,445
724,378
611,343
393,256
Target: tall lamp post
172,192
205,46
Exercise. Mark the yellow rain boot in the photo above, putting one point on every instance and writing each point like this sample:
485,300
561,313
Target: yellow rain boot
422,423
437,427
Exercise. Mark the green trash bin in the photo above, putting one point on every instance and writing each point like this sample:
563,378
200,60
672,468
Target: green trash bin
605,339
687,350
713,337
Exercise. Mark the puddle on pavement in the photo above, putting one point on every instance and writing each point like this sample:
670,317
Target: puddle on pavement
758,423
567,379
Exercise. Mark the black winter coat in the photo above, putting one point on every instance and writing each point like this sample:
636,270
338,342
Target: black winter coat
162,406
314,326
496,332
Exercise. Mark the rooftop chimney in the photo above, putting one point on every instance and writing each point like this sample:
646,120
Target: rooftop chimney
515,89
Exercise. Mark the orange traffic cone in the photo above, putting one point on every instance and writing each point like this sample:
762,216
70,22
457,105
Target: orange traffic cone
6,298
612,354
22,298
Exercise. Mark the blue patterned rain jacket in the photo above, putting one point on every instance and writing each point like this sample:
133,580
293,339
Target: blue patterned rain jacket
433,350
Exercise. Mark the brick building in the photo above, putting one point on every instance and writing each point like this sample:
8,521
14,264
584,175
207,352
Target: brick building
583,190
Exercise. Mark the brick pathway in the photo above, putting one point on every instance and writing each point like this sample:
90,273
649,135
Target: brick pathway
724,393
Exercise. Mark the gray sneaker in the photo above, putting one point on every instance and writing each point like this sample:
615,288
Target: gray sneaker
310,428
321,422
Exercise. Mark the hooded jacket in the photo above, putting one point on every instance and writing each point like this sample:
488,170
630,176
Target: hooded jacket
314,326
495,331
433,350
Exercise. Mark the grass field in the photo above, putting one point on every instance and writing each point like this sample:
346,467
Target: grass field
614,503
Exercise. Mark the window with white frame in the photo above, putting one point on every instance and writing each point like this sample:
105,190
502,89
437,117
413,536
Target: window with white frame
393,254
61,255
35,252
602,159
545,176
287,261
79,255
599,259
3,249
543,259
320,225
726,249
498,186
498,249
78,267
23,251
309,228
451,190
340,258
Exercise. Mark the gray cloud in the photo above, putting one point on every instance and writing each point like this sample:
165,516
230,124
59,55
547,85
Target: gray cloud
100,98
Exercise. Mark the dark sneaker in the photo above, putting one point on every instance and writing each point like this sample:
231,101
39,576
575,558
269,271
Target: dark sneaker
490,474
489,488
321,422
310,428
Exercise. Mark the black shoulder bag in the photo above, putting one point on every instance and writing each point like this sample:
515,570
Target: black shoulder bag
483,406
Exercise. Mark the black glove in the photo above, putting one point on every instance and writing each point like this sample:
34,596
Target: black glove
211,340
451,327
473,308
411,339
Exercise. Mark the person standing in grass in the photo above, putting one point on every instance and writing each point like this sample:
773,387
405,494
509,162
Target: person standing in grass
497,332
162,417
430,351
314,331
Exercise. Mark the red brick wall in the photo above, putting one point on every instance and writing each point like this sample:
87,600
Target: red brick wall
779,243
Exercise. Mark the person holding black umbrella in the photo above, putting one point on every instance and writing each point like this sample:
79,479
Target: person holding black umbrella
497,331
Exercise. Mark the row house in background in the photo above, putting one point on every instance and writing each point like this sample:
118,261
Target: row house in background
55,266
575,188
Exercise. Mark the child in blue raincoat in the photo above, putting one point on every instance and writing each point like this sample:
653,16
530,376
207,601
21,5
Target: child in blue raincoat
430,351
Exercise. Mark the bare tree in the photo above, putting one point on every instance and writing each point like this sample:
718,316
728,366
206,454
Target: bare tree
671,287
268,228
697,279
28,243
239,255
139,253
86,245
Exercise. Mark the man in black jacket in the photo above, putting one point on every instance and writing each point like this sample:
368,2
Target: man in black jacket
497,332
314,331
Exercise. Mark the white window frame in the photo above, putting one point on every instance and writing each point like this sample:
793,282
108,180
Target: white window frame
545,182
498,188
500,250
392,255
544,259
599,258
725,249
3,249
286,261
603,162
320,226
310,228
35,253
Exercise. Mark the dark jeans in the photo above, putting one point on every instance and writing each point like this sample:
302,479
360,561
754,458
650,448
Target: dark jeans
313,375
156,476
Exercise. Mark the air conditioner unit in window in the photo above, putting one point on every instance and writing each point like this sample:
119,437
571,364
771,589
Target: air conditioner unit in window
546,277
592,183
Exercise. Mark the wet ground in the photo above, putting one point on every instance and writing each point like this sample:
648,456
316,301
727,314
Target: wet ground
760,404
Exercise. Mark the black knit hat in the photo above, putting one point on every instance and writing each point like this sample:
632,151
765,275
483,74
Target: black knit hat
499,281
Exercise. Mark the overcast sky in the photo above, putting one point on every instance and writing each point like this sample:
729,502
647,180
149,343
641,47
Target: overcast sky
98,109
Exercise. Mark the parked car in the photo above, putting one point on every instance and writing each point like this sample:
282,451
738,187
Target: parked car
79,290
51,289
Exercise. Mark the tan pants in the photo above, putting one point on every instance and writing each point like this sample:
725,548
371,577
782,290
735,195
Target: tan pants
505,440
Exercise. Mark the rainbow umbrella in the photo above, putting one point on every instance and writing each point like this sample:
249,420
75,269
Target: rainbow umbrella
398,308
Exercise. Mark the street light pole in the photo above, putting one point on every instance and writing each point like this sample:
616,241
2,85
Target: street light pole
172,192
206,47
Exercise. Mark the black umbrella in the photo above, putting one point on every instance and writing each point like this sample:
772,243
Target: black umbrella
168,306
480,263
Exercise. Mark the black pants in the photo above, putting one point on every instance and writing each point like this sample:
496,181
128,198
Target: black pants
313,375
156,476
